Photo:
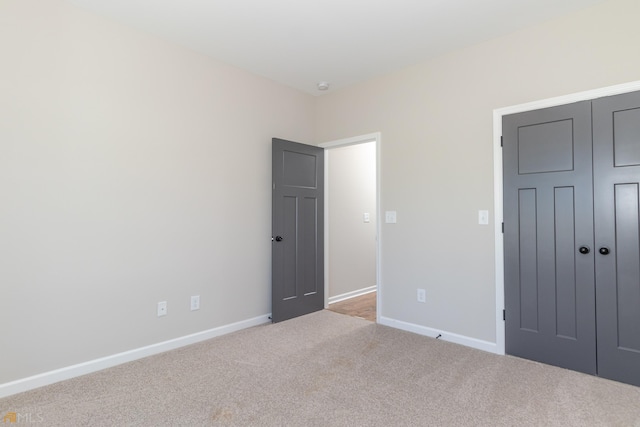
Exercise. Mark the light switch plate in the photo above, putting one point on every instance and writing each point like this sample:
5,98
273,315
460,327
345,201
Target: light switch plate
366,217
390,217
483,217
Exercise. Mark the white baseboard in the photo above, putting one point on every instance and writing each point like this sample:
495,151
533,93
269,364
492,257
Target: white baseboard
46,378
352,294
444,336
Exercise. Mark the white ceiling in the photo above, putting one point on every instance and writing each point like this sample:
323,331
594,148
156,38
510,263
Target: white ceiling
302,42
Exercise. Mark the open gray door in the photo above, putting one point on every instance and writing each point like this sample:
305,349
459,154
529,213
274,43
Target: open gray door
297,280
548,237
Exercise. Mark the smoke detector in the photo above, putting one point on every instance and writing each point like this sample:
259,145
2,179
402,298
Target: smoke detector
323,85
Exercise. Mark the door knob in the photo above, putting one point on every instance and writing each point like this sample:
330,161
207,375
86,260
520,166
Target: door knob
279,239
604,250
584,250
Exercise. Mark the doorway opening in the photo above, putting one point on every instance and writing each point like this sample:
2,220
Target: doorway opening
352,225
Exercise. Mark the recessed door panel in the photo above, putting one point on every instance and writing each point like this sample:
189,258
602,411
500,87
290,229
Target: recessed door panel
309,242
627,257
565,280
528,246
290,256
545,147
299,169
626,137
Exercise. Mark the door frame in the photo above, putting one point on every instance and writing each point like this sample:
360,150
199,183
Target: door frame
498,180
376,138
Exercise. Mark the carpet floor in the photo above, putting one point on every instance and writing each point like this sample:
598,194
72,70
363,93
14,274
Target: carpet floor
328,369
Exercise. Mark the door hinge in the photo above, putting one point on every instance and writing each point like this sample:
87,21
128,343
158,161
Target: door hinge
504,314
502,141
274,185
503,228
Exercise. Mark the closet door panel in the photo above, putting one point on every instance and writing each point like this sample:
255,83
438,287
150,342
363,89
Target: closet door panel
548,215
616,124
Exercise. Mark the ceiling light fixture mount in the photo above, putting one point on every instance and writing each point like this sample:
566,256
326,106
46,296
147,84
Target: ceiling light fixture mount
323,85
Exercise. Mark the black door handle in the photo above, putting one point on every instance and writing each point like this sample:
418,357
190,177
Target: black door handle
604,250
584,250
279,239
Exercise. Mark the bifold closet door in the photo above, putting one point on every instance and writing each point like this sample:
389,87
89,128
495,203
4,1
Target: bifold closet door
616,138
548,236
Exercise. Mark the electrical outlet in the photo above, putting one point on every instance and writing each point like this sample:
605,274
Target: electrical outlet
195,302
162,308
422,295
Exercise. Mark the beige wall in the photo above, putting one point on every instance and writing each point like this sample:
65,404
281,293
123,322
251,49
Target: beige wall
131,171
352,242
436,160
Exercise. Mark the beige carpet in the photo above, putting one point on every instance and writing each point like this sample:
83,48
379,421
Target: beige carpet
328,369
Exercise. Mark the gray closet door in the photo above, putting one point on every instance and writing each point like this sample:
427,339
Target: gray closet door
548,236
616,125
297,281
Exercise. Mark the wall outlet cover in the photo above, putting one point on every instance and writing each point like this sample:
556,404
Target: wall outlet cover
162,308
422,295
195,302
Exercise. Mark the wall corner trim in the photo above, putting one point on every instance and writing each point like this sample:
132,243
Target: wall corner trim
443,335
51,377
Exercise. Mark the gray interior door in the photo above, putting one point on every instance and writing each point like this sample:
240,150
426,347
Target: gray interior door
616,137
298,229
548,236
